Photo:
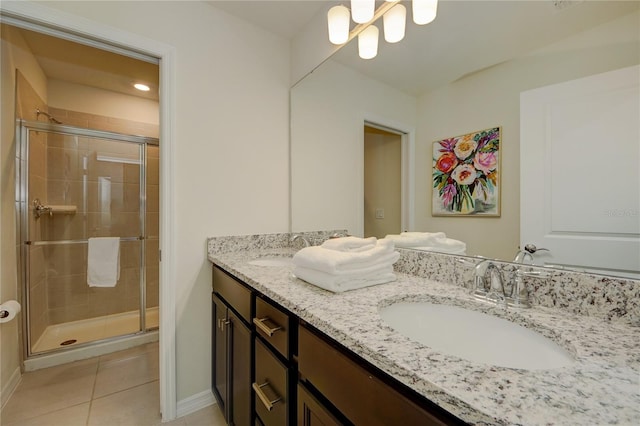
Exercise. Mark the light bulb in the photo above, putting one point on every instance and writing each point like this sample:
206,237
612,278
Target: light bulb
394,23
362,10
368,42
424,11
142,87
338,20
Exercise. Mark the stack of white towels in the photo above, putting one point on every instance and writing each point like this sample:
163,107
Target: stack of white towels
347,263
430,241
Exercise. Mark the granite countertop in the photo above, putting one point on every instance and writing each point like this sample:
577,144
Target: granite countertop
601,387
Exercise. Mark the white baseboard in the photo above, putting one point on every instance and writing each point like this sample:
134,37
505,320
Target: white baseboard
11,386
195,402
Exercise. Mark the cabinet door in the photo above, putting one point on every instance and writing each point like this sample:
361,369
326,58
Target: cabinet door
240,360
220,354
271,387
311,412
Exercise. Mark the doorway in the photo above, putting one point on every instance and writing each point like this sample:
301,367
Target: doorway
382,181
77,153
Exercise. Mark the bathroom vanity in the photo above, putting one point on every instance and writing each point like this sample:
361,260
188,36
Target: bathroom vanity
296,354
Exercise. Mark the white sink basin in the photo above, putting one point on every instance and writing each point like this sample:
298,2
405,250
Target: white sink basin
475,336
272,261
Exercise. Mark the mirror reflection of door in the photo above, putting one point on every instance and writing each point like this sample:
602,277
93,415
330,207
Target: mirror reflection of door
382,182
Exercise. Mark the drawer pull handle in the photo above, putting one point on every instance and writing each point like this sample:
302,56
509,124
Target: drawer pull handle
260,323
268,403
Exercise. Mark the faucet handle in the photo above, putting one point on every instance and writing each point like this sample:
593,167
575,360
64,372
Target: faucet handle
304,239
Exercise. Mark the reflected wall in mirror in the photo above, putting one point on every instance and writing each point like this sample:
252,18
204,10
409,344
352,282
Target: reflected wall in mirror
444,79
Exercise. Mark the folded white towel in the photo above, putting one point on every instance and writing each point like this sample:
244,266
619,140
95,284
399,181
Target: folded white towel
352,244
345,282
333,261
462,250
416,239
103,263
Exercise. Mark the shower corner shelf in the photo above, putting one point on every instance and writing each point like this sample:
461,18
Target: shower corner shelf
64,209
40,209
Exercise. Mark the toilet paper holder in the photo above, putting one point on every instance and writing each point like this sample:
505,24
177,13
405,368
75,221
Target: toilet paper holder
9,310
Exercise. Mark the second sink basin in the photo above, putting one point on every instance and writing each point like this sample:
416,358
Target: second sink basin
475,336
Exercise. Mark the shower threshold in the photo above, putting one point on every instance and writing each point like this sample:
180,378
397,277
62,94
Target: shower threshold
93,329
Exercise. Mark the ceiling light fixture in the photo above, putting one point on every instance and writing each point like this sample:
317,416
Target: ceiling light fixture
368,42
364,14
362,10
394,23
424,11
142,87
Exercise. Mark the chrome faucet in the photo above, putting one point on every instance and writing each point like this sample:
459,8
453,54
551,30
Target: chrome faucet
491,289
304,239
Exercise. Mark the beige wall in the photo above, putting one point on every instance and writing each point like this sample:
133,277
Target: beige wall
15,55
328,111
382,182
117,106
492,98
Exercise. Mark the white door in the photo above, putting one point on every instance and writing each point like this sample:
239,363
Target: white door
579,172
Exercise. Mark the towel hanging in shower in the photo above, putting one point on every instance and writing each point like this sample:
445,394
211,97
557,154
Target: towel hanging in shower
103,263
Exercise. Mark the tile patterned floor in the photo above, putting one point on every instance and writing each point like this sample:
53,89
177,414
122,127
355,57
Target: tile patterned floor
114,389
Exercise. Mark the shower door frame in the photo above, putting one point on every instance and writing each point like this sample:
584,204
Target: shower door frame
24,209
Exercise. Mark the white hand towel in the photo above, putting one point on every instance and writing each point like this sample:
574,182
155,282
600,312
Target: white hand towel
103,263
352,244
332,261
344,282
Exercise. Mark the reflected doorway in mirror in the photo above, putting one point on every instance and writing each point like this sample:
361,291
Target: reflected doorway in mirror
466,174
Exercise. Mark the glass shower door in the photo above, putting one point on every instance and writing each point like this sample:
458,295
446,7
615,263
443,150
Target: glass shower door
81,184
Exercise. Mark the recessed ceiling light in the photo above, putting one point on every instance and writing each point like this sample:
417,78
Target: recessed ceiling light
142,87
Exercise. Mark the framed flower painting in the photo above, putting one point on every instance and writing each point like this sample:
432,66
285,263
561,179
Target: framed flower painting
466,174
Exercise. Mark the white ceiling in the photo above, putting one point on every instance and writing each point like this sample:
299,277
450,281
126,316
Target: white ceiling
285,18
466,36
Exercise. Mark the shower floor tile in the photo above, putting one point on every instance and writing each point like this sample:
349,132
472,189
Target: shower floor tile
93,329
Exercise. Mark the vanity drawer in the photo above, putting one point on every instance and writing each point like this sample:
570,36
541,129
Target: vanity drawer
233,292
361,396
273,325
270,387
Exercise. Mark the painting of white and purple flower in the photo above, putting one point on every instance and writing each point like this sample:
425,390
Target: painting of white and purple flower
466,174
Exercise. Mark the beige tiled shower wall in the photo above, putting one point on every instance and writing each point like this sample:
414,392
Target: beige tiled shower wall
109,124
111,207
62,169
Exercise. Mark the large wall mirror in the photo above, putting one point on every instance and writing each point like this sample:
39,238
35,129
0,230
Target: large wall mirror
462,73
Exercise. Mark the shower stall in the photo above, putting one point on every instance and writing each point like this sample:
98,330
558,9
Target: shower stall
74,184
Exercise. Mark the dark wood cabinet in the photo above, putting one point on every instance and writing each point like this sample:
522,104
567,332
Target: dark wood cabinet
271,387
220,351
270,368
361,394
312,412
275,371
231,353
